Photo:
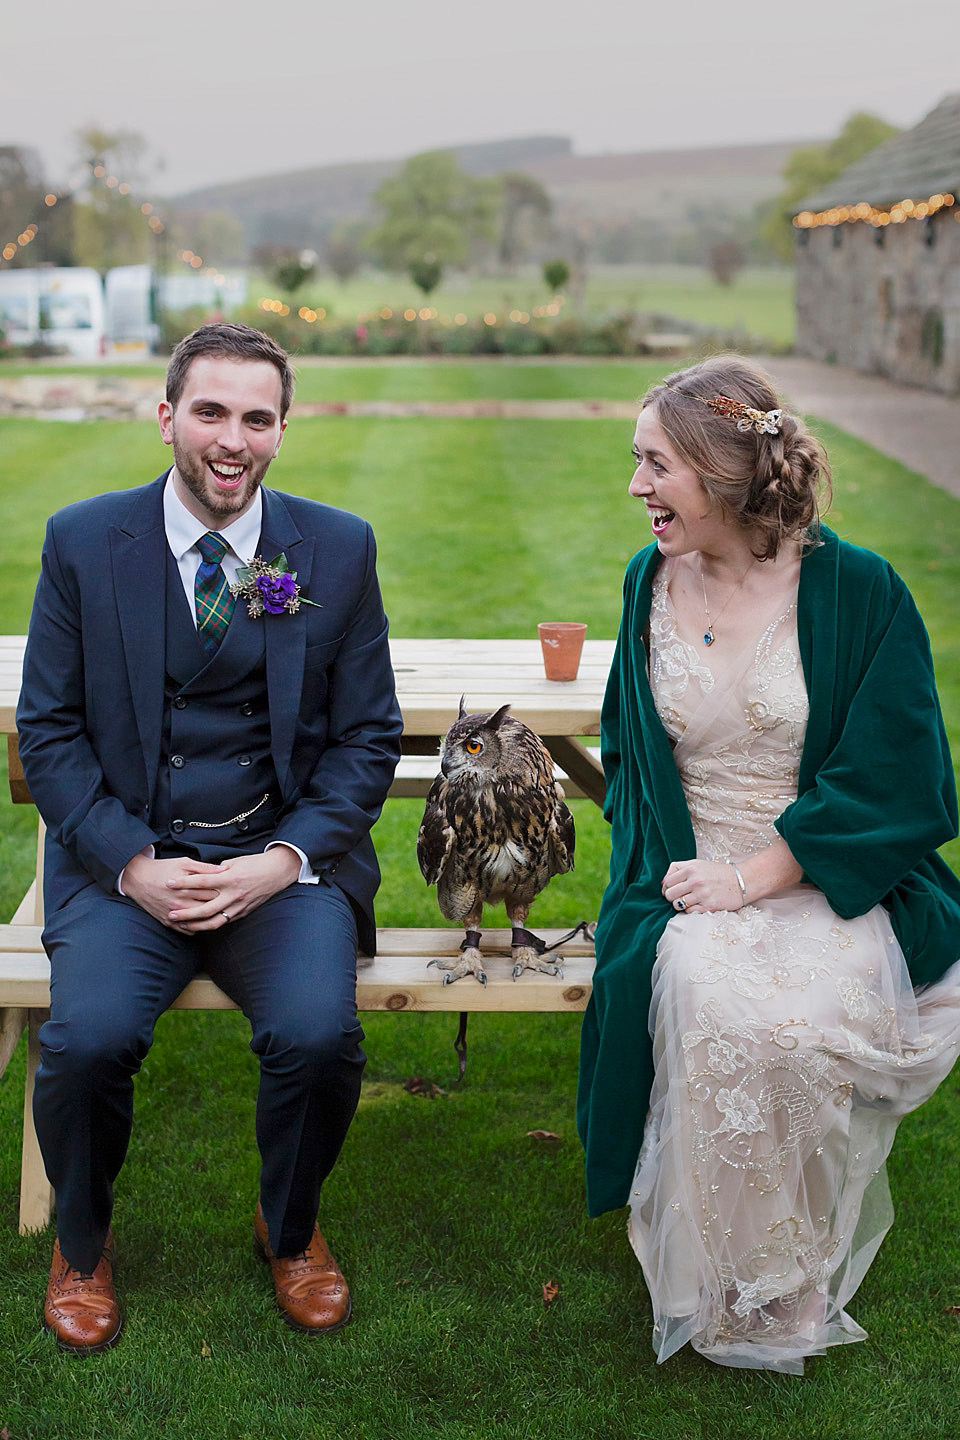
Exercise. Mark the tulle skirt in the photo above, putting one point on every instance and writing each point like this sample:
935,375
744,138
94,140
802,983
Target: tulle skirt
788,1043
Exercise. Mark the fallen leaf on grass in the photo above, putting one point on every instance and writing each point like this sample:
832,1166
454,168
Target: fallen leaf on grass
205,1349
5,1434
950,1310
550,1292
542,1135
417,1085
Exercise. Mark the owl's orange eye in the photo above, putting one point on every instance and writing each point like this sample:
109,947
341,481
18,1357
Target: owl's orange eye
474,747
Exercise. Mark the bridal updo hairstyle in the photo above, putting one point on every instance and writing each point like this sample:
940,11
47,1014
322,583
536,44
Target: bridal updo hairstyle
769,484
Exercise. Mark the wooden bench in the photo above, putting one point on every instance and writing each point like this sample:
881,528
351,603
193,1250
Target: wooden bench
414,776
398,980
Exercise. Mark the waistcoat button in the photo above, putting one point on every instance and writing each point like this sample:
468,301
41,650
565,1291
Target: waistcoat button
177,761
243,825
180,701
244,760
246,708
177,827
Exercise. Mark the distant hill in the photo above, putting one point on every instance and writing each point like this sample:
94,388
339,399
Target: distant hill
300,207
662,192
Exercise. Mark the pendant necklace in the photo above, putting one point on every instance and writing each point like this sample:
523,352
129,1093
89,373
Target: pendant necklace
708,634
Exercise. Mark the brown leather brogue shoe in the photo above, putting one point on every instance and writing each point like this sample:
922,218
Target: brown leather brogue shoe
81,1310
311,1292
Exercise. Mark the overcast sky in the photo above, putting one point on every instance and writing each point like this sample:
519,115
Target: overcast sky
228,92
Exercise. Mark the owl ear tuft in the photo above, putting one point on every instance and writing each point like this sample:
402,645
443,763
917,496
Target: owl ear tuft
497,718
463,707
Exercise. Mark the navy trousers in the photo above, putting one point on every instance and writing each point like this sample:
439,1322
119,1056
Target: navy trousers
290,966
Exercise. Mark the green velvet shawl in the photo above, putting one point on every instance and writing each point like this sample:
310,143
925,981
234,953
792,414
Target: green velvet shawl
876,797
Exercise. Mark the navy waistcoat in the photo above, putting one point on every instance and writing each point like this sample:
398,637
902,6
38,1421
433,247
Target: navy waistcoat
217,790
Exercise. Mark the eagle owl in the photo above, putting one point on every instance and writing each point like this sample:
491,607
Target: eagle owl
495,828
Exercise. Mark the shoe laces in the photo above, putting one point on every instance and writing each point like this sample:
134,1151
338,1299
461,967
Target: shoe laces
70,1275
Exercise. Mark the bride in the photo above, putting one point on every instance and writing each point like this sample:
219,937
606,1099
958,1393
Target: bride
778,782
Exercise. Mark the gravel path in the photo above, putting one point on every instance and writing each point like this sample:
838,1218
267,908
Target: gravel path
916,427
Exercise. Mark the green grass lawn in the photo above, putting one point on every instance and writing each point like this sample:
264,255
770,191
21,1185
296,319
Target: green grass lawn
477,380
446,1216
449,380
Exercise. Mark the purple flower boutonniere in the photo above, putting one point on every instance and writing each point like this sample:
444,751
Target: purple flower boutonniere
269,586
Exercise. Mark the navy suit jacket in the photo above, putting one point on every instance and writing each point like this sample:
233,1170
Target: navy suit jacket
91,707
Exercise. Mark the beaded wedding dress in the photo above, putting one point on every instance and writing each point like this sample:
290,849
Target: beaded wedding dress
788,1043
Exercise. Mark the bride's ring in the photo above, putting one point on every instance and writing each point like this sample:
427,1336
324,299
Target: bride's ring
225,916
680,904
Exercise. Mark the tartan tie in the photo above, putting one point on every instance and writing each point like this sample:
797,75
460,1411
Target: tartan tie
212,597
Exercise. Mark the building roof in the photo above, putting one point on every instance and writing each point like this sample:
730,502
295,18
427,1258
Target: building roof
913,164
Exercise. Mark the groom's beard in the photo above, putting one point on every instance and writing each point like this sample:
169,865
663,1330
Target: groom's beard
195,473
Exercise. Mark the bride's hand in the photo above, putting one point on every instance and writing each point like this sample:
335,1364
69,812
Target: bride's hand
702,887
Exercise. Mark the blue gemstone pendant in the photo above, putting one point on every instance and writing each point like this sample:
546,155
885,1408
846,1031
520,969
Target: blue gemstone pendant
708,638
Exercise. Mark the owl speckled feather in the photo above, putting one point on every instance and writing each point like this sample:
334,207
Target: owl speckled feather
495,828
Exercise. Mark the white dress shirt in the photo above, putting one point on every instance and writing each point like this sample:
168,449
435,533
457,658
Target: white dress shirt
184,530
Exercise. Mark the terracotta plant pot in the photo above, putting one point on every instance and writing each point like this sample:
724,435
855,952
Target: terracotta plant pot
561,642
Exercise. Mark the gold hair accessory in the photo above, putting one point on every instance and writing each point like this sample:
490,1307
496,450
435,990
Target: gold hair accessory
765,422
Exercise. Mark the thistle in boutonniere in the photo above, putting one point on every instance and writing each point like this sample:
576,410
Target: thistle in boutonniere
269,586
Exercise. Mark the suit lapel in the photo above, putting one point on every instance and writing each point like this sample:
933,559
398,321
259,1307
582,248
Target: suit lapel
285,635
138,559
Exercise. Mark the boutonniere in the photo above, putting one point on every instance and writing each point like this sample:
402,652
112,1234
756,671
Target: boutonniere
269,586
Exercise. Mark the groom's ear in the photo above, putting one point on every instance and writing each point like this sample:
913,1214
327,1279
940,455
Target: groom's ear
165,419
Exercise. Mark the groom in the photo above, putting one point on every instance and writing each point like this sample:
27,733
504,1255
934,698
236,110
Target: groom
208,769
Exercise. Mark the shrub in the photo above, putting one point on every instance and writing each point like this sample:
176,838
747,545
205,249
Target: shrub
556,273
616,333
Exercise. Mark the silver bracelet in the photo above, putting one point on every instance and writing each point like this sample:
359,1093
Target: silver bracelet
740,881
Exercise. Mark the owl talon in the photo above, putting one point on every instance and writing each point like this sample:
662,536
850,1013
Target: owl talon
469,962
528,959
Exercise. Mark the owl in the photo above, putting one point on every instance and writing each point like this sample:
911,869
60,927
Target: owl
495,828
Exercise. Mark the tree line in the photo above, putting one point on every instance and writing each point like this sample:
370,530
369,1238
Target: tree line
431,217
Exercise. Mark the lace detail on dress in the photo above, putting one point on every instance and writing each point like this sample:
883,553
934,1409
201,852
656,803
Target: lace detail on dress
674,664
742,776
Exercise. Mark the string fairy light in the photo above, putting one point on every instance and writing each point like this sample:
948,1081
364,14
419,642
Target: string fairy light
52,199
271,305
122,187
267,304
865,213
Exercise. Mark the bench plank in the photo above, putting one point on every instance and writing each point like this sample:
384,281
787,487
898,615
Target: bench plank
397,981
414,776
416,773
13,1021
36,1192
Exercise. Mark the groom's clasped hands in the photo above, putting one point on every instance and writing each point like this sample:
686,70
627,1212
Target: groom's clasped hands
192,896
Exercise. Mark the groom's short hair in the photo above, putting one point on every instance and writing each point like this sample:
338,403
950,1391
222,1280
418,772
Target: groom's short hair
233,342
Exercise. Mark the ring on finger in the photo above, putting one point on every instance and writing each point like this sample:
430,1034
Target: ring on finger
225,916
680,904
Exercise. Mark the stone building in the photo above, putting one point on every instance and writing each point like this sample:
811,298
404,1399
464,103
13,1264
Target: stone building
878,259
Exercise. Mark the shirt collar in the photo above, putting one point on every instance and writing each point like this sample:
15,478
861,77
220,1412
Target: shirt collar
184,529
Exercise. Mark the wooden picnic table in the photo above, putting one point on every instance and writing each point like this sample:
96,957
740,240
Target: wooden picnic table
431,677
